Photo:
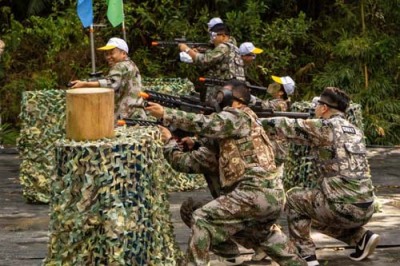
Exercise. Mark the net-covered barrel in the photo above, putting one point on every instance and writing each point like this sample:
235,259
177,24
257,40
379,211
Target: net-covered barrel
109,202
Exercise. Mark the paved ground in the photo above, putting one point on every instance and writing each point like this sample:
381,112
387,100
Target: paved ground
23,227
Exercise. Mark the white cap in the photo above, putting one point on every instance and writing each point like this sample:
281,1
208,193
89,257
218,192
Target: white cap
213,22
115,43
249,48
287,82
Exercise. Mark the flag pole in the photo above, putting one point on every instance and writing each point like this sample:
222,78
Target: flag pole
123,30
91,30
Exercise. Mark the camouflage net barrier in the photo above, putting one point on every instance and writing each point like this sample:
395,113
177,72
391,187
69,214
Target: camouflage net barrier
109,202
43,123
299,165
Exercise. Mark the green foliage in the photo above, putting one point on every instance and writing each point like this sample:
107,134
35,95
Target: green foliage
350,44
8,135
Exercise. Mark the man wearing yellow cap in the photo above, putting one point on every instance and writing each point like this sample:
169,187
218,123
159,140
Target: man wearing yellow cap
124,77
248,52
280,90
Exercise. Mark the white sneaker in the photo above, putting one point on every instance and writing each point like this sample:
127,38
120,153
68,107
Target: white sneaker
311,260
365,246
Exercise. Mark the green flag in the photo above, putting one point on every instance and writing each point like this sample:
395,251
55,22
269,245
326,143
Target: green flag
115,12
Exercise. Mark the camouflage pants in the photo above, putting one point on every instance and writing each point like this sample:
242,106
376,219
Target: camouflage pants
309,207
246,213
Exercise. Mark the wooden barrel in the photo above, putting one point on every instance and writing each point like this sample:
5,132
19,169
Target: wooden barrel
90,114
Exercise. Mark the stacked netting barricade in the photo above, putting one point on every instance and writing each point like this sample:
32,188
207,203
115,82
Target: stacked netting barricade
43,123
109,202
177,87
299,165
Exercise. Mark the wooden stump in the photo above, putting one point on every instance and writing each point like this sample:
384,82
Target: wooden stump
90,114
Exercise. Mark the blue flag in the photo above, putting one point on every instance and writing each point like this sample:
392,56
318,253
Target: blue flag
85,12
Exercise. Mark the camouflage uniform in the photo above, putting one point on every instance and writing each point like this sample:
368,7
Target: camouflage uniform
124,78
342,202
222,62
254,194
203,160
280,145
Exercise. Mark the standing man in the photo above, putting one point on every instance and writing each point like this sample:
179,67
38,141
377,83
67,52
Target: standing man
254,194
342,203
222,62
213,22
123,77
248,52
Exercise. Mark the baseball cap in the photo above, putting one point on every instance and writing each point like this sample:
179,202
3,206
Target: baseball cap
213,22
115,43
287,82
249,48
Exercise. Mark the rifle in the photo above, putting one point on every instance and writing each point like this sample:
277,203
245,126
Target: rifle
199,45
177,133
190,103
93,77
214,81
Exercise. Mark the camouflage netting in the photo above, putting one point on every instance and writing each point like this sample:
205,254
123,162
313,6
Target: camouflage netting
109,202
43,122
299,166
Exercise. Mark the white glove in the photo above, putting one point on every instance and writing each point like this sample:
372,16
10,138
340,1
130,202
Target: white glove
185,57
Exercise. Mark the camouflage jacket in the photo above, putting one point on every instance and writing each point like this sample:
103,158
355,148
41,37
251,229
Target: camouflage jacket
199,161
223,62
276,104
244,147
124,77
339,152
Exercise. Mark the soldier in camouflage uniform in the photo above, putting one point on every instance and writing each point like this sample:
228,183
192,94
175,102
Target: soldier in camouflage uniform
124,77
254,194
280,90
343,200
222,62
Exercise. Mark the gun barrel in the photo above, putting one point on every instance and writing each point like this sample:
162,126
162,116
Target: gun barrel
284,114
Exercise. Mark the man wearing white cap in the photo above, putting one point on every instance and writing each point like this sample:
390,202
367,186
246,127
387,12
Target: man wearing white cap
213,22
222,62
124,77
248,52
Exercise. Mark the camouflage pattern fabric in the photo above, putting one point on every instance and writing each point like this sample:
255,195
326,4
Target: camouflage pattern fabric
338,152
299,168
247,214
309,207
280,145
124,77
342,200
42,124
199,161
252,203
222,62
109,202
